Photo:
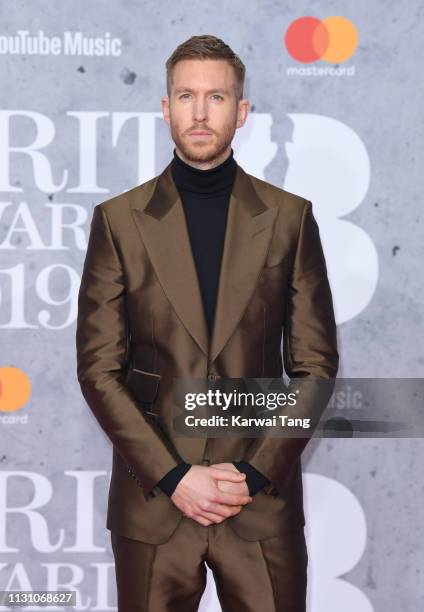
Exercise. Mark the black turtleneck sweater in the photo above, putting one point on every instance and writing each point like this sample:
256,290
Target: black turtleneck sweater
205,195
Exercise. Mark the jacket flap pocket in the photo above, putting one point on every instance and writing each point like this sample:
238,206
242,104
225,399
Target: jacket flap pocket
274,271
143,385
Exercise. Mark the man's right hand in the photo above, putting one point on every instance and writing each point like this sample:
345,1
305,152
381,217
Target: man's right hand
197,494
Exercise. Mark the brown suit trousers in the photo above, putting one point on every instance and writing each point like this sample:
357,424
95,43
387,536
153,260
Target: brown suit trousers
265,575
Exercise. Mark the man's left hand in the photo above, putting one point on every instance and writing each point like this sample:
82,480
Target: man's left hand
239,488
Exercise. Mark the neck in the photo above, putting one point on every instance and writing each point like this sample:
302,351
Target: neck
206,165
207,182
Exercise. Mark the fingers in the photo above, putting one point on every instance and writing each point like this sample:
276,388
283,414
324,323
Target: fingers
220,510
224,474
211,517
200,519
208,512
231,499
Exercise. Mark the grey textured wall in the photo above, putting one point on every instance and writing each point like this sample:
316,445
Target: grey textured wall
57,461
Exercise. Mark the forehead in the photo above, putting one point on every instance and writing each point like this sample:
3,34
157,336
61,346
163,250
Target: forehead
202,73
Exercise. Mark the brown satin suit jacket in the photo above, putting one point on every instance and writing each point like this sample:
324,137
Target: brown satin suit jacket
141,319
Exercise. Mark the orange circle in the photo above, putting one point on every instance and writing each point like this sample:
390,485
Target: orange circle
15,389
343,39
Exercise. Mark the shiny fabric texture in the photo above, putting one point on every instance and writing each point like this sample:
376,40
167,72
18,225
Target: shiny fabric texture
141,323
268,575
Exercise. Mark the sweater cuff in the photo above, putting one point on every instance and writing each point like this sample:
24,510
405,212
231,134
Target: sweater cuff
255,480
169,482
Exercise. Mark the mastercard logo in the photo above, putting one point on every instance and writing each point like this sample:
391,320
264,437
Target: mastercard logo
15,389
332,40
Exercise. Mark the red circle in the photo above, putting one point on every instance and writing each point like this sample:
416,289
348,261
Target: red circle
300,38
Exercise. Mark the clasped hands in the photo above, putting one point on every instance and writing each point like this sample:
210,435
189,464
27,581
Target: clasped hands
210,494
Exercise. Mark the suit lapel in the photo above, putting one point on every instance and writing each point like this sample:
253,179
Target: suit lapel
247,238
163,228
164,232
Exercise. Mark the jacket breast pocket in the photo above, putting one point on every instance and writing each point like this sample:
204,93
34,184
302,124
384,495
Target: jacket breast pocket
144,387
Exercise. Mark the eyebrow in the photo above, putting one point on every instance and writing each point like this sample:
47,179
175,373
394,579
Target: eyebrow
187,89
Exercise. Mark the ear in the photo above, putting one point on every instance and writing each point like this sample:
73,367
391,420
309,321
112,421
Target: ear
165,109
242,112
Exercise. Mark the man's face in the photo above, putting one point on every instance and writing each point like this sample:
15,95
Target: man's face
202,110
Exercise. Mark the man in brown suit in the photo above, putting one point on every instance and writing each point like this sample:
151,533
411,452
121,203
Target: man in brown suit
156,302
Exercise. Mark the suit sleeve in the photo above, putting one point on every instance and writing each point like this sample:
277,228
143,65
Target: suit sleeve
170,481
255,480
102,353
310,353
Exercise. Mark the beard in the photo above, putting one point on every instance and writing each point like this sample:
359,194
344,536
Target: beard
203,152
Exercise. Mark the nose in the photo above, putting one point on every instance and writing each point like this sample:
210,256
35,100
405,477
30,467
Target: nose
199,110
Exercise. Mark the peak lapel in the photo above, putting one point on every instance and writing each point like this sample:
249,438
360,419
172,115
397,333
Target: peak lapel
247,238
163,228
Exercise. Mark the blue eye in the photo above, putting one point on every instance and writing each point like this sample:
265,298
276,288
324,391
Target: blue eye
214,96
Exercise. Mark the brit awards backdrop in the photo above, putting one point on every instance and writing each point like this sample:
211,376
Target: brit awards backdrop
336,97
